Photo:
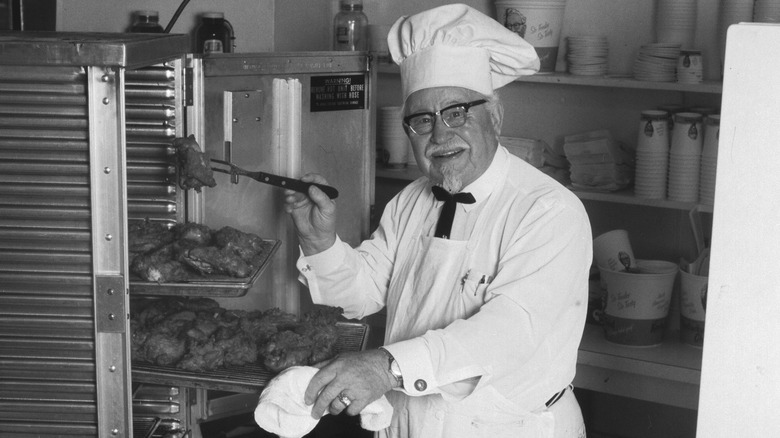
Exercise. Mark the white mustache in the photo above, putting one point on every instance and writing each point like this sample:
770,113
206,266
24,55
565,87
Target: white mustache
448,147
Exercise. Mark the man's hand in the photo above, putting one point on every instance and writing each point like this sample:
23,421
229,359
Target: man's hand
314,216
361,377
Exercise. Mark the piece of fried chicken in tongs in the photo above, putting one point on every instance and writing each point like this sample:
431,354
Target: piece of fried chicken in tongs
194,165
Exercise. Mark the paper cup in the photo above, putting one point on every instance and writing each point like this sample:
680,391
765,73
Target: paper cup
538,22
612,250
693,305
636,305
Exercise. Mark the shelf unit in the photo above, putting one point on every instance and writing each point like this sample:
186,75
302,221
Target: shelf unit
620,197
668,374
608,81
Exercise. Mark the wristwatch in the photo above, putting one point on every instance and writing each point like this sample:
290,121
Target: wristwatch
394,368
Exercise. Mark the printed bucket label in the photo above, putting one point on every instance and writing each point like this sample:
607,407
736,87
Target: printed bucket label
636,332
691,331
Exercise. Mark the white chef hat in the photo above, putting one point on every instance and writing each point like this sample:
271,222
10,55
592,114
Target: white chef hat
456,45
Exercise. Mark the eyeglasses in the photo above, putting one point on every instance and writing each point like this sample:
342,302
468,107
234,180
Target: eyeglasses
453,116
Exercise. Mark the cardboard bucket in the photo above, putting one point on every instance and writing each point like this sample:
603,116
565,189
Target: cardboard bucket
693,305
538,22
636,305
612,250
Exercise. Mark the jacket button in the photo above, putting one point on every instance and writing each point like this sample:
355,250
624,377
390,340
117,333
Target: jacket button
420,385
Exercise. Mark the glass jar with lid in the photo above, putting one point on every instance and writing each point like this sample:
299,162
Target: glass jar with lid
350,27
214,34
146,22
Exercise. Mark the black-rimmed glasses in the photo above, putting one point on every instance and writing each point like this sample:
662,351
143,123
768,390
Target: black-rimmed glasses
453,116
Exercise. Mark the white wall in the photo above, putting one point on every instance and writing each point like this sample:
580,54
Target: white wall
252,20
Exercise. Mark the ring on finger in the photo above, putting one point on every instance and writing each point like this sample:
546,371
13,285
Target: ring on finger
344,399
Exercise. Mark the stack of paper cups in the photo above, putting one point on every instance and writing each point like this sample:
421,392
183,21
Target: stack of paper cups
392,138
672,109
690,67
766,11
676,22
652,155
709,159
685,157
731,12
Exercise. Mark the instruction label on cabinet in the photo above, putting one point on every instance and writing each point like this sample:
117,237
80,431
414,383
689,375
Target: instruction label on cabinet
338,93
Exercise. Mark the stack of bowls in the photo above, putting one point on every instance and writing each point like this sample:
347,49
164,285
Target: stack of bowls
685,157
657,62
766,11
652,155
392,138
731,12
709,159
587,55
676,22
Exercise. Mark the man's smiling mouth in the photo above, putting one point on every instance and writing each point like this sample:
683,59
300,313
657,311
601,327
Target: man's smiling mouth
446,154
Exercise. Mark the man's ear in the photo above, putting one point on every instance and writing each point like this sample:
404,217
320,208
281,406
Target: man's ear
497,117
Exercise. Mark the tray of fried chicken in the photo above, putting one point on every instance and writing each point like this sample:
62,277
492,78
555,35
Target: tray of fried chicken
194,342
194,260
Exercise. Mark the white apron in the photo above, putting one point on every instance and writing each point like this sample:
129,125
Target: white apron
428,292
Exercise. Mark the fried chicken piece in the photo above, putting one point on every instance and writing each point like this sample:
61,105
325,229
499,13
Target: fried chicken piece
246,245
286,349
152,312
160,266
239,349
213,260
144,236
138,336
320,327
197,234
202,356
194,165
164,349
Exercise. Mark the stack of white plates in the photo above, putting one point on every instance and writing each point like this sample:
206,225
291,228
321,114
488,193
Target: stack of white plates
731,12
587,55
766,11
657,62
391,137
676,22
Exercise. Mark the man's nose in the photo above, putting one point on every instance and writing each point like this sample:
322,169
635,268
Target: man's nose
441,133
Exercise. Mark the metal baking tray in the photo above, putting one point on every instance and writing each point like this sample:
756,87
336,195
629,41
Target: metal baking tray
243,379
210,286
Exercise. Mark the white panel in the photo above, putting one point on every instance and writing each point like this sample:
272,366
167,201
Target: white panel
740,393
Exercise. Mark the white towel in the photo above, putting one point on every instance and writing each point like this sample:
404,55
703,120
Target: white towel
281,409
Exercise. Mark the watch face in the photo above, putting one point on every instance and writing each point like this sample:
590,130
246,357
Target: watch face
395,369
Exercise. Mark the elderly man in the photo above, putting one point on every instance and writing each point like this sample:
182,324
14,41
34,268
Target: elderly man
482,263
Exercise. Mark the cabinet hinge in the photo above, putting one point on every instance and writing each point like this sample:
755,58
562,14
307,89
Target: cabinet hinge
110,311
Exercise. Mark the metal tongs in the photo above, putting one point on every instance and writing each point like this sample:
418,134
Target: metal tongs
274,180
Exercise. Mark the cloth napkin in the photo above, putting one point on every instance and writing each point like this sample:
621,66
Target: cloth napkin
282,411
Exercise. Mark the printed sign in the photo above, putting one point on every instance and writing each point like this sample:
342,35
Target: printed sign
338,93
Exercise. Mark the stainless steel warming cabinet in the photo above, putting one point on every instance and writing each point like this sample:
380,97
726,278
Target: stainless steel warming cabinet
82,118
87,122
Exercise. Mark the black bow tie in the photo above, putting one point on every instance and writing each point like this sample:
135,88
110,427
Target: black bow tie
444,226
